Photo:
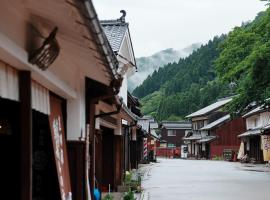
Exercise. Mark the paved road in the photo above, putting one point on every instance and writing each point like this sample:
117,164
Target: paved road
204,180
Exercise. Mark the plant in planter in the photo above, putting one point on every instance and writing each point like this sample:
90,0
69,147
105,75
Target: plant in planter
129,195
108,197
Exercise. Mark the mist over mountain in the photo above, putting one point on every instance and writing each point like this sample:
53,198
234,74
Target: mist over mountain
147,65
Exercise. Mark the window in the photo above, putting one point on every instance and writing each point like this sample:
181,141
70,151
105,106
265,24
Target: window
171,132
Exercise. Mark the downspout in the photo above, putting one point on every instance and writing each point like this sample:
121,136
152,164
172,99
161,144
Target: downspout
110,113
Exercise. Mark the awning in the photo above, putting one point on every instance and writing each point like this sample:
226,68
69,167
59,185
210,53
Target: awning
252,132
207,139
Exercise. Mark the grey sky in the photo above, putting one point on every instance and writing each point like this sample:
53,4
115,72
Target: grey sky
159,24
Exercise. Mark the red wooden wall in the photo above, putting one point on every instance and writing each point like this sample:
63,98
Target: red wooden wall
227,136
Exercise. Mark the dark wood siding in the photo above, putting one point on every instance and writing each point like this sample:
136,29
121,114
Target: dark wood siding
227,136
176,140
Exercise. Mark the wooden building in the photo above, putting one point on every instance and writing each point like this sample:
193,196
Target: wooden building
173,132
199,119
56,65
220,136
257,124
115,126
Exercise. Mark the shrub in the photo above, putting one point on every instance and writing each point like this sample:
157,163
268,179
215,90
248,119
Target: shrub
108,197
129,195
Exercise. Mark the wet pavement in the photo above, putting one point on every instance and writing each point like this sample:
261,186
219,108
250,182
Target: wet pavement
175,179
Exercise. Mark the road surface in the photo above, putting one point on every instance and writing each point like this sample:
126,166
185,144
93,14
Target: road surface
175,179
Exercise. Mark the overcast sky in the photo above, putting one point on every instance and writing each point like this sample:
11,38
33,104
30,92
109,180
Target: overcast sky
159,24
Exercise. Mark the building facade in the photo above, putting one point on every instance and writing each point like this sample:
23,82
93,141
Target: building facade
174,132
200,119
257,124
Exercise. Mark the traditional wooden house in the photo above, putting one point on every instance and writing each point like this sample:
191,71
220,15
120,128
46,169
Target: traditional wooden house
173,132
115,126
56,64
199,119
220,137
257,124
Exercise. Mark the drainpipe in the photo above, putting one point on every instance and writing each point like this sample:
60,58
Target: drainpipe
110,113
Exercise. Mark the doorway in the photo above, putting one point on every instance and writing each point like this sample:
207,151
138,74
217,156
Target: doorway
9,149
108,159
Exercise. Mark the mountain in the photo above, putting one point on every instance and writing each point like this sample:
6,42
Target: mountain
178,89
147,65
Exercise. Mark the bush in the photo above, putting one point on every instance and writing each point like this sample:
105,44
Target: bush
129,195
108,197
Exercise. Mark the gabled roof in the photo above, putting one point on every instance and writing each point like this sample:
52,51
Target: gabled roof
115,31
206,110
216,123
176,125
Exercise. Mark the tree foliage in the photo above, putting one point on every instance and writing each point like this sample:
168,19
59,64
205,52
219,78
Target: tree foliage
245,60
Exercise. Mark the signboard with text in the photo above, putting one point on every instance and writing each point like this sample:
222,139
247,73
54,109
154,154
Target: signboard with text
59,147
266,147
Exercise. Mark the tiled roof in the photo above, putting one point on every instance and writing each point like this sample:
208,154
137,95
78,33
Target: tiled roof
207,139
176,125
193,137
210,108
115,31
216,123
256,110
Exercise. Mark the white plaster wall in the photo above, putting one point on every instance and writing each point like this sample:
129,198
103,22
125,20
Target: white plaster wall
265,118
123,89
76,112
250,121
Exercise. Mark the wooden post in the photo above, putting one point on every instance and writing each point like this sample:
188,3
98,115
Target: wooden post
92,146
26,134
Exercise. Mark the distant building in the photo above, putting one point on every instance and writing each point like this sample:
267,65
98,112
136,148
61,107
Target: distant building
173,132
150,126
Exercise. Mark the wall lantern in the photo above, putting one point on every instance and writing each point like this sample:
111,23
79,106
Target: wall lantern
44,56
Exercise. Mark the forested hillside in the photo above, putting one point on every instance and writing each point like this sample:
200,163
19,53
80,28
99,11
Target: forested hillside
240,59
245,60
180,88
